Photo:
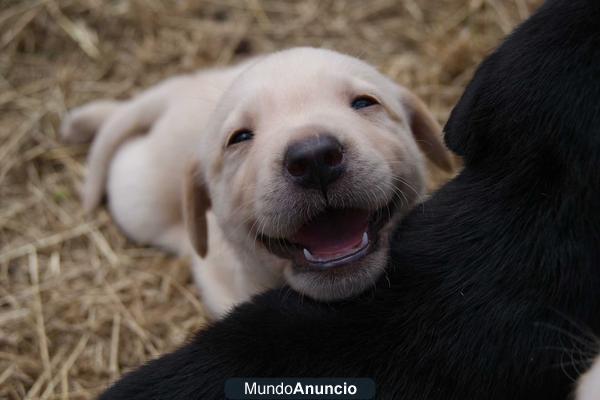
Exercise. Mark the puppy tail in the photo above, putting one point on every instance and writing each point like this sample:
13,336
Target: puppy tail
126,120
81,124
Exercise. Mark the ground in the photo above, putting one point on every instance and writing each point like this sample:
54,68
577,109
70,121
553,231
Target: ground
79,303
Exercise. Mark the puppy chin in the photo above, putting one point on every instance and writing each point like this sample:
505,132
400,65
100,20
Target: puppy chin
343,282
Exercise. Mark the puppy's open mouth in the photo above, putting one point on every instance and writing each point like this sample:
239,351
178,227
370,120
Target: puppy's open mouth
333,238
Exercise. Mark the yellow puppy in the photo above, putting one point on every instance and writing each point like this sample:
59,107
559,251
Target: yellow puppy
289,168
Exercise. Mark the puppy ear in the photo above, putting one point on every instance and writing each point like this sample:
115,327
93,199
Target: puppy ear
196,203
470,114
427,131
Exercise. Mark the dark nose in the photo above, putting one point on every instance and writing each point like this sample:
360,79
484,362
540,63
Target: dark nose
316,162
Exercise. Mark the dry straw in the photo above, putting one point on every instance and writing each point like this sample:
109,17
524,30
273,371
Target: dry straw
79,304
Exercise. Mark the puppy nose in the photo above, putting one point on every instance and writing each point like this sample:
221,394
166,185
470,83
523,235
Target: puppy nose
316,162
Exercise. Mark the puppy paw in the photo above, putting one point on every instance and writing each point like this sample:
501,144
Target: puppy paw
81,124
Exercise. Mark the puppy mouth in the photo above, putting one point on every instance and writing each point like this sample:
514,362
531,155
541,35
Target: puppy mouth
334,238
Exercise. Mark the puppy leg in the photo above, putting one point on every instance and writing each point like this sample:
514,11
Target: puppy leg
175,240
143,197
133,117
218,273
81,124
216,291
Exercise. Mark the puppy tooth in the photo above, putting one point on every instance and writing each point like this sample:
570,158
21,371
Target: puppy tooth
365,240
309,256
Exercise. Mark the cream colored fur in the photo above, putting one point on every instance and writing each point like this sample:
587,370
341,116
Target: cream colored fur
588,387
143,148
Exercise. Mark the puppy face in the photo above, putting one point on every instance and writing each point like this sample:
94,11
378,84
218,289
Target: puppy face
310,159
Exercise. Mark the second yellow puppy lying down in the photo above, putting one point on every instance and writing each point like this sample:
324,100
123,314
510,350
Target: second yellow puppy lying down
290,168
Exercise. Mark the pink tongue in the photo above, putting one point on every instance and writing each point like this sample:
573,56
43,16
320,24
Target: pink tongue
333,231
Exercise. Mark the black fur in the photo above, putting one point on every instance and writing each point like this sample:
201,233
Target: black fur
489,283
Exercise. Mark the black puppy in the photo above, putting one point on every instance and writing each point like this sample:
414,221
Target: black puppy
488,283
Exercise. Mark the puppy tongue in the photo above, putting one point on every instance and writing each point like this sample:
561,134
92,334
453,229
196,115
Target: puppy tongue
333,233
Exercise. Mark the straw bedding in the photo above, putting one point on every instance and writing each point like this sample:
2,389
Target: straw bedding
79,303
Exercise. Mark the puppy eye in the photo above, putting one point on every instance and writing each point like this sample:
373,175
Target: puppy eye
363,102
241,135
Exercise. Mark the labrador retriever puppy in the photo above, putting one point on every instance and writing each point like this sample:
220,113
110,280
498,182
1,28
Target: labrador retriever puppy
290,167
486,281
